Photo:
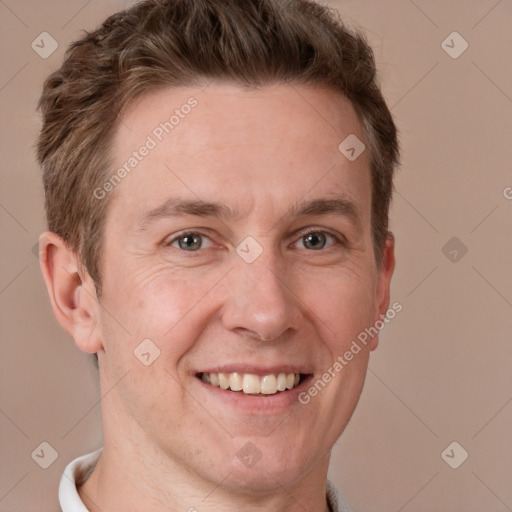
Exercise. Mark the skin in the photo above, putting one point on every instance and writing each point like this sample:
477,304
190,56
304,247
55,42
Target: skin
169,442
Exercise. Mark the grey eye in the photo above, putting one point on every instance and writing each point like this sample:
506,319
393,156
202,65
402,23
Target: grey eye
314,241
190,242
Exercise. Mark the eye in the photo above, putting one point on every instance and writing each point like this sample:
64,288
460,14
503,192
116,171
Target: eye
190,241
316,240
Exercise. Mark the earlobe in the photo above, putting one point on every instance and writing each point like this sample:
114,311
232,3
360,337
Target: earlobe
72,295
382,292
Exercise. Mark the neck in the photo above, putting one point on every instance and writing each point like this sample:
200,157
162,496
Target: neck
117,484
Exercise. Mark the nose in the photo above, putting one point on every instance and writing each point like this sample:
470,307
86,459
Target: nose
261,303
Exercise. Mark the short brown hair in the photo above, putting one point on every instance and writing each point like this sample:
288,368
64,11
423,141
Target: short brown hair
167,43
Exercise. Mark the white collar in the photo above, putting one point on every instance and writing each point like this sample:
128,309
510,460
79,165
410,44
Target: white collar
79,469
75,473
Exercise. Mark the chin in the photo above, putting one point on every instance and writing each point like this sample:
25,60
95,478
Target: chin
268,468
262,480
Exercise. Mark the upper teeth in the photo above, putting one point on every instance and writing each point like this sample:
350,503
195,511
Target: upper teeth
251,383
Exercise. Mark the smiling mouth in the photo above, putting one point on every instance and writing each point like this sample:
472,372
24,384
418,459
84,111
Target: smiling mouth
251,384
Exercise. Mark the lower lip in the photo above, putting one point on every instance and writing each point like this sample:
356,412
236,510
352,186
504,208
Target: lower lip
261,404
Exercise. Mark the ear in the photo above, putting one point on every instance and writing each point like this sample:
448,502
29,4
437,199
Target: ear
71,290
382,289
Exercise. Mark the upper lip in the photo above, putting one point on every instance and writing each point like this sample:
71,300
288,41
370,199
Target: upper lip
256,370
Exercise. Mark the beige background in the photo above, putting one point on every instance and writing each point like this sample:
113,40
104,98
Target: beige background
442,372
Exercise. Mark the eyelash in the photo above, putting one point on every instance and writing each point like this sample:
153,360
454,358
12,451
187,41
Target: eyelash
338,239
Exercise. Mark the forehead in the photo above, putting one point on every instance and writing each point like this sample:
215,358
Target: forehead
243,147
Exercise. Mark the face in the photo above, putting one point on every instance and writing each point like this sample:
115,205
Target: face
239,244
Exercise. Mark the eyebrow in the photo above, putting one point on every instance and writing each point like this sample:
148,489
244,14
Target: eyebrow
176,207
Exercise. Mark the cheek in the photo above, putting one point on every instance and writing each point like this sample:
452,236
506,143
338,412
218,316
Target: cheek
144,297
154,303
333,303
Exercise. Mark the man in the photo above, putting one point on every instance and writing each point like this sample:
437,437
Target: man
217,179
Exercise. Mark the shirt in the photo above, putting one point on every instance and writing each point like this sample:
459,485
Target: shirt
77,472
